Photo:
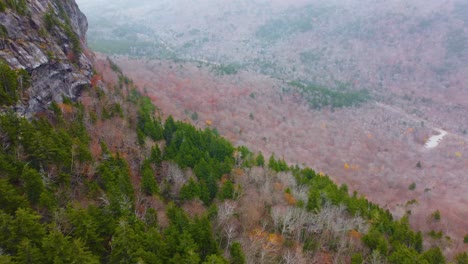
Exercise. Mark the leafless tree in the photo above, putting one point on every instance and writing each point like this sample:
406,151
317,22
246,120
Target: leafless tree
230,232
225,212
293,256
176,177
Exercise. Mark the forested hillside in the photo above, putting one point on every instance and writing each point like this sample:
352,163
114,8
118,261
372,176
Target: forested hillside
104,176
356,89
106,179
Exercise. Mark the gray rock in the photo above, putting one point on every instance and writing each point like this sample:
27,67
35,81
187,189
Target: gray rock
46,55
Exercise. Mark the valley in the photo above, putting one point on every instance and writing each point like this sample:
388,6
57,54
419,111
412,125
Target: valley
378,82
240,132
375,149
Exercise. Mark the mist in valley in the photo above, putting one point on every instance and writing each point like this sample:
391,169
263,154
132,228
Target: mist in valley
373,93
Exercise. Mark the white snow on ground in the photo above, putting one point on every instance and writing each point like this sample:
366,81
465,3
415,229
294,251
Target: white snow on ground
434,141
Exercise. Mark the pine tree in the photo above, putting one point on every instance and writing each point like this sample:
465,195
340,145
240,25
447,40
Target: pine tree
33,184
260,160
148,182
237,255
202,235
169,129
227,190
125,244
156,156
60,249
434,256
272,164
190,190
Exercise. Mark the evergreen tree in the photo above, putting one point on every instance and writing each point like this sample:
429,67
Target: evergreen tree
148,182
29,252
202,234
404,255
357,258
10,200
169,129
60,249
434,256
8,85
125,244
227,190
156,156
260,160
190,190
33,184
462,258
237,255
86,228
272,163
215,259
25,225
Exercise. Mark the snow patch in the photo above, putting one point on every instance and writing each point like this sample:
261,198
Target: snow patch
434,141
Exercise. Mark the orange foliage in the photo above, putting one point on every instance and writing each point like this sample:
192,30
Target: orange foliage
409,130
238,172
275,239
355,235
324,257
290,199
270,240
278,186
208,122
95,148
66,109
346,166
95,79
353,167
224,179
257,233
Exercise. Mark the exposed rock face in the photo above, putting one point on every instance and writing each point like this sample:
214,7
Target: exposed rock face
47,52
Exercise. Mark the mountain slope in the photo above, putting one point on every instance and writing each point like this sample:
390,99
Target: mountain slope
104,179
232,64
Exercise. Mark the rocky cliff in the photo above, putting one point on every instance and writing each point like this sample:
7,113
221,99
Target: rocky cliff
47,39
